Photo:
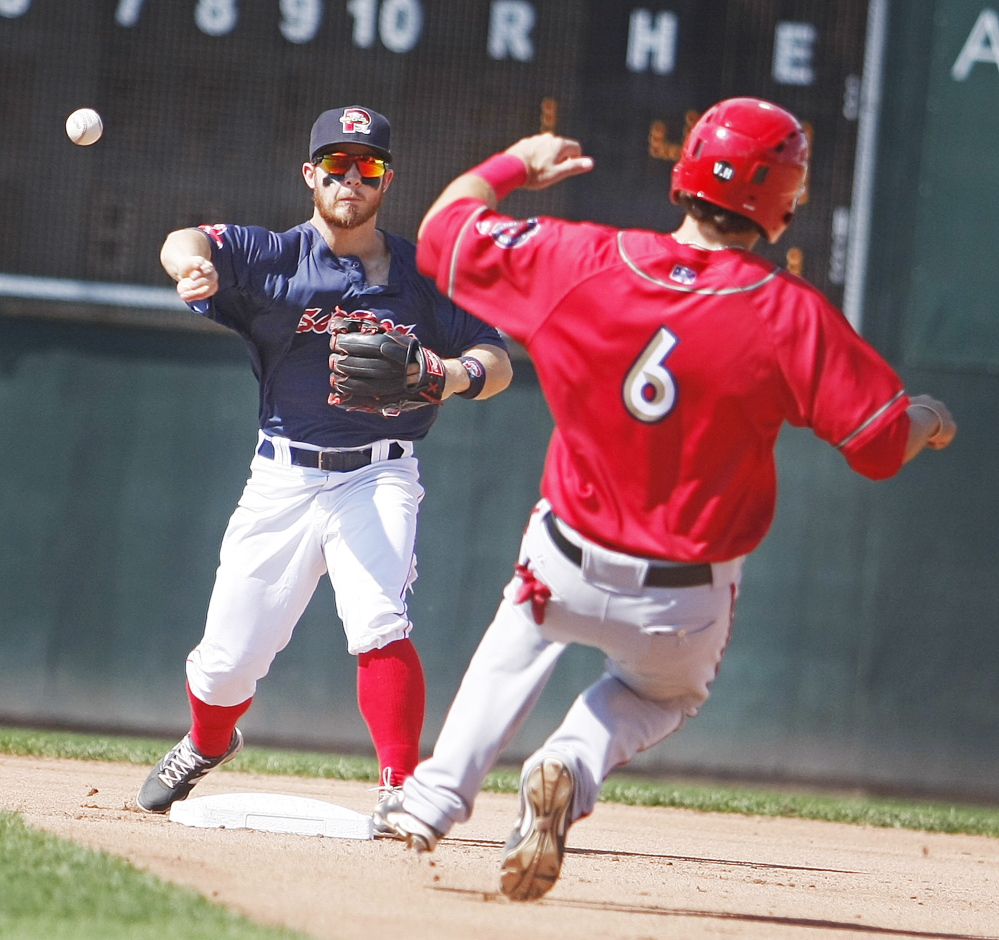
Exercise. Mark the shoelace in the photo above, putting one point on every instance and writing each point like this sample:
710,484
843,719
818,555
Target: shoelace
182,764
385,787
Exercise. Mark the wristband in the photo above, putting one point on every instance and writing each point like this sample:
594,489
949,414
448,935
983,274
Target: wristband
504,172
939,417
476,373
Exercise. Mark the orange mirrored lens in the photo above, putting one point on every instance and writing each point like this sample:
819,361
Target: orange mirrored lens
337,164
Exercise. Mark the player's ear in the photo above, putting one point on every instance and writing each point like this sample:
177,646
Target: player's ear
309,172
387,180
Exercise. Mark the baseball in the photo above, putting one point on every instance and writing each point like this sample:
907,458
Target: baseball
84,127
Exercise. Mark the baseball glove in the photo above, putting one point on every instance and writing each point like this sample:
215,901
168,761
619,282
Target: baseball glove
379,368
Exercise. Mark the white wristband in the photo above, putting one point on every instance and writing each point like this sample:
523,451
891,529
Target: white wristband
939,417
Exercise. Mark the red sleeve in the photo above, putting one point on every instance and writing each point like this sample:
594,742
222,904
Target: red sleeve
433,248
509,272
842,388
879,455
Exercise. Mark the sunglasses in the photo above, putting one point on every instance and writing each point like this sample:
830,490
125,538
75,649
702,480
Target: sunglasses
337,164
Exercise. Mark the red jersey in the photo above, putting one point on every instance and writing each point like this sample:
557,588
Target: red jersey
669,371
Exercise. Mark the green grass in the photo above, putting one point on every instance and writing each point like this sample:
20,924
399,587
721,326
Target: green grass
26,742
53,889
864,810
929,816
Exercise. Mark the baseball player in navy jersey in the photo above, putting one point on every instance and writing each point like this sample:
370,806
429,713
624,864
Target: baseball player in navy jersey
334,485
669,363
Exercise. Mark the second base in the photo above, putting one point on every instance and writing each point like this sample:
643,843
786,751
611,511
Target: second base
273,812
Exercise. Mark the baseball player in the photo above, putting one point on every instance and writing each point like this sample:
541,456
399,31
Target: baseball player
669,363
354,351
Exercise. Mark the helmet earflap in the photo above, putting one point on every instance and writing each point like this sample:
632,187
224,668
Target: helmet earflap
748,156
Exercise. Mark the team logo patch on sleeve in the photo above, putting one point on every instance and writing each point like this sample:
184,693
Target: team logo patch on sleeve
511,233
682,274
214,232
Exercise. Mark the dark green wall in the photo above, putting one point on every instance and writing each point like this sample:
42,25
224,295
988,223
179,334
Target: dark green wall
132,449
130,452
864,648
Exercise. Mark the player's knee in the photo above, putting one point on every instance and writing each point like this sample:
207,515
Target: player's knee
688,704
219,682
377,633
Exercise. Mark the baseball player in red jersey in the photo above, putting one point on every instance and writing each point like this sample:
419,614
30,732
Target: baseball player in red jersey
669,363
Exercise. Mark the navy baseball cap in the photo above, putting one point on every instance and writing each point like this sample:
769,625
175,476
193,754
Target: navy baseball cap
352,125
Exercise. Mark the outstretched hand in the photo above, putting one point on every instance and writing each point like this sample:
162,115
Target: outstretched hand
550,159
935,421
930,425
200,280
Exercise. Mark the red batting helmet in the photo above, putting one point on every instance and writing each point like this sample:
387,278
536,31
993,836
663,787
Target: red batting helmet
748,156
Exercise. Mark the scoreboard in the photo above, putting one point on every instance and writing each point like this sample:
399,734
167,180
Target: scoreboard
207,106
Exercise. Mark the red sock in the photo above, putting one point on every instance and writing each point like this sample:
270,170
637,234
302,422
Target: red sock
212,725
391,694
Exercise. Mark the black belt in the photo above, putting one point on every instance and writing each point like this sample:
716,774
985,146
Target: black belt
666,576
331,461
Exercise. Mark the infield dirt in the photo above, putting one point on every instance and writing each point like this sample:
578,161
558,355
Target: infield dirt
629,874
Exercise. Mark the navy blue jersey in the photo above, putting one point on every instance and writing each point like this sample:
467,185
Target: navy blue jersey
278,291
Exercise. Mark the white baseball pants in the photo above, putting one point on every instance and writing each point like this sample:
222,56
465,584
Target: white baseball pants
663,647
292,526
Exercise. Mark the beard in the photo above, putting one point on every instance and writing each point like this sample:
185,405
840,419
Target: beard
344,215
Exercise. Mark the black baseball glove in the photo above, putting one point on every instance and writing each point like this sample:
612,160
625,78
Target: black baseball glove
378,368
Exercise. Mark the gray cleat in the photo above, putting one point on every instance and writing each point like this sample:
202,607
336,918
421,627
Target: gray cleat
388,793
174,777
532,856
392,821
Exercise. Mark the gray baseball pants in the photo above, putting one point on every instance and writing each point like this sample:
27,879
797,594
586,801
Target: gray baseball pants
663,649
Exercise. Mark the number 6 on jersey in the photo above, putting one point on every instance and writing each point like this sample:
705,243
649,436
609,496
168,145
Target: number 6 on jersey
649,390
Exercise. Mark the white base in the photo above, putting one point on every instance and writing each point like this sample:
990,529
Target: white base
273,812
